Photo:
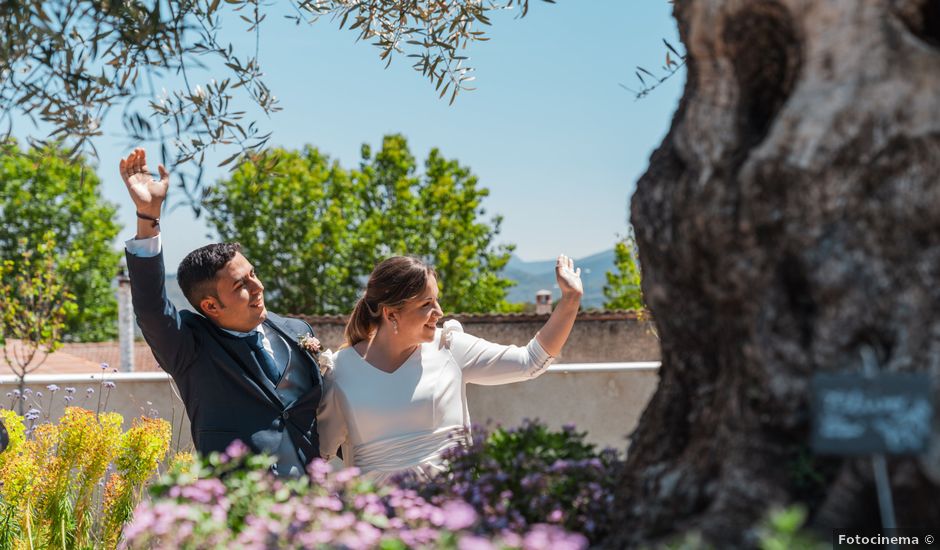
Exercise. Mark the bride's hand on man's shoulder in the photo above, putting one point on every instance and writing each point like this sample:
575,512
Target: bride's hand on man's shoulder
568,278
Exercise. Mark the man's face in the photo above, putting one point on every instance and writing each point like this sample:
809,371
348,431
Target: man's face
240,303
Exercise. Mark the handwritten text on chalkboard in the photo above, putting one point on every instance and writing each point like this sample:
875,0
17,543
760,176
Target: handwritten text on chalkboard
887,413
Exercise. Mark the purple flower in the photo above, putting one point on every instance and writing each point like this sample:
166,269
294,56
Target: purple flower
237,449
90,391
53,388
27,392
474,542
203,491
109,384
69,390
458,515
328,503
104,366
318,470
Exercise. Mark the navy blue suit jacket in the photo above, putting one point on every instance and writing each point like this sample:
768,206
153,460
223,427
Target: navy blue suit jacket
226,394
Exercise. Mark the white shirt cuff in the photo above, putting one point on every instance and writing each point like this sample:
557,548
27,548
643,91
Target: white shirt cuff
541,359
144,248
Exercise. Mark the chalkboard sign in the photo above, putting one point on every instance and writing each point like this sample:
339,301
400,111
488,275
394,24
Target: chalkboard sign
887,413
4,437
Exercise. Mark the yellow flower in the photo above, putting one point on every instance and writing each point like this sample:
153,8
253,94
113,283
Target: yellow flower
16,429
116,508
16,478
76,427
48,486
142,448
182,462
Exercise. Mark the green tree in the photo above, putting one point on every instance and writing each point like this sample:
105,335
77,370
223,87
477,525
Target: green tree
43,191
71,63
294,224
316,230
623,290
436,215
34,303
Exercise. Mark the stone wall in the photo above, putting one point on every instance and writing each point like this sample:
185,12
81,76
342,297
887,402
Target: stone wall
597,337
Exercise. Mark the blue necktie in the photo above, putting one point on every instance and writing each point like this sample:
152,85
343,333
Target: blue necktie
255,341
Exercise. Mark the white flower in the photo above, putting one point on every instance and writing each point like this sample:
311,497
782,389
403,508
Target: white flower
326,362
447,332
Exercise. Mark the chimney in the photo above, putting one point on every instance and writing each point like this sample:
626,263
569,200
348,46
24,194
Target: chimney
125,319
543,302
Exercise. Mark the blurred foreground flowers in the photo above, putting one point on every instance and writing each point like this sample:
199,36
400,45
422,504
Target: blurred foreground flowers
232,501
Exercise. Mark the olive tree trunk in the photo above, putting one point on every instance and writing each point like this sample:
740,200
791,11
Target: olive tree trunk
790,218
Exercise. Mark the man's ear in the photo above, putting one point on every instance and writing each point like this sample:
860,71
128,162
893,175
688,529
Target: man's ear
210,307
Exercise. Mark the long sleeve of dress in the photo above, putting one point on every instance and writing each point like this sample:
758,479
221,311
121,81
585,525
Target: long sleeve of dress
331,421
491,364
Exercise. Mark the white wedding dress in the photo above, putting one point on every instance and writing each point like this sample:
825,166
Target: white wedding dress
387,423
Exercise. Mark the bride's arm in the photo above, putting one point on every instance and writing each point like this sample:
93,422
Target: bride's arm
488,363
331,421
555,333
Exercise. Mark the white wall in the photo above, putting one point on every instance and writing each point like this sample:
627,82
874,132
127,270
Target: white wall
606,399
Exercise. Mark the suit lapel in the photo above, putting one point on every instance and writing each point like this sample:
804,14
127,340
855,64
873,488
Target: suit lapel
278,323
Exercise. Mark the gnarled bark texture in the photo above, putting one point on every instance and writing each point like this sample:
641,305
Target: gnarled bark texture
790,218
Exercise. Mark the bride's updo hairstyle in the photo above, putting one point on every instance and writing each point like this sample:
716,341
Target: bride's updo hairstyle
392,283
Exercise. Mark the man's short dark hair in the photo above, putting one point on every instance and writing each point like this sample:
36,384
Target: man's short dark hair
197,272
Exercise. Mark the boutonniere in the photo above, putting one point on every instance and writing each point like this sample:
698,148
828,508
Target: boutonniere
310,343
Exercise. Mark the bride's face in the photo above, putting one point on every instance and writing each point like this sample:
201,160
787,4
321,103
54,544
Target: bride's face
417,320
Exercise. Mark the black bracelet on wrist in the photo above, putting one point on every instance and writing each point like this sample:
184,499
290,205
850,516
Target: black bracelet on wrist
156,221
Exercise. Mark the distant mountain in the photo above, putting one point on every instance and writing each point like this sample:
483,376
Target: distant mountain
530,277
175,294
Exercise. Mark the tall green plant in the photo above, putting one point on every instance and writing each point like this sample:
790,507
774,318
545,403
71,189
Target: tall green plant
42,193
315,230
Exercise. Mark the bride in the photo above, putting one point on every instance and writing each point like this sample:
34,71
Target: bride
396,396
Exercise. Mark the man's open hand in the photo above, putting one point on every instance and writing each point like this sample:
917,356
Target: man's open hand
147,193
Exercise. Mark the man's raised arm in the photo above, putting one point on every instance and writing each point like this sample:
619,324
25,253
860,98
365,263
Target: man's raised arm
172,343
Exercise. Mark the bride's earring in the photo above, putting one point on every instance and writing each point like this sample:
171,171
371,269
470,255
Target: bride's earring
395,326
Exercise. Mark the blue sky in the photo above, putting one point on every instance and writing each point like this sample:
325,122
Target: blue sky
548,130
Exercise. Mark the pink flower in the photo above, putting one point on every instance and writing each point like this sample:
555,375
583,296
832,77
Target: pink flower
473,542
236,449
458,515
310,343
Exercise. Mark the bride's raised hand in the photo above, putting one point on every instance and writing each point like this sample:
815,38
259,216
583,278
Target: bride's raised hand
147,193
568,278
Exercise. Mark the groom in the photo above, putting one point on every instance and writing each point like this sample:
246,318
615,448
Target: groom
240,369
